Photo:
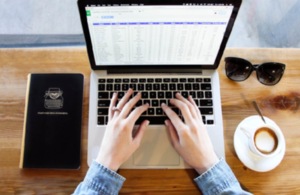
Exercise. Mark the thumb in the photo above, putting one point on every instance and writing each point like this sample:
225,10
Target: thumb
140,133
173,133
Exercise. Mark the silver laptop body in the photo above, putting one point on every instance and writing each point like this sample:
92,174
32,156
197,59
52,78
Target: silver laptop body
122,40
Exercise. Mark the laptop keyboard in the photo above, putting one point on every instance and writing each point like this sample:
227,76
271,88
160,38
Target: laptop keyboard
156,91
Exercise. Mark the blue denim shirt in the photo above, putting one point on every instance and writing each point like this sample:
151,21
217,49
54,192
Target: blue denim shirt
219,179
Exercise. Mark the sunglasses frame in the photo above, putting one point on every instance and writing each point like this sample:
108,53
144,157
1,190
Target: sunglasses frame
254,67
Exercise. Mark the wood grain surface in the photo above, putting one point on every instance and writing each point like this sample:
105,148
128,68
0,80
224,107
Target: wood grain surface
280,103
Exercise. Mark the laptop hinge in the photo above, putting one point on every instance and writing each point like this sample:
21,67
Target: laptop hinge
171,70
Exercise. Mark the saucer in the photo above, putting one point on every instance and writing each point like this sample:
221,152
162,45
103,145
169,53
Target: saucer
248,158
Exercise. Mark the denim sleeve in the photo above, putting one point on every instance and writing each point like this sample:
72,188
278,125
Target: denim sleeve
100,180
219,180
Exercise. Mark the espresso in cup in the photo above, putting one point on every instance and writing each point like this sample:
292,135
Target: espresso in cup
265,140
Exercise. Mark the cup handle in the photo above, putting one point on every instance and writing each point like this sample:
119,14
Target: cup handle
246,132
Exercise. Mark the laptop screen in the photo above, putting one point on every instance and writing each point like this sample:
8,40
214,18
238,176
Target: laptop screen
189,34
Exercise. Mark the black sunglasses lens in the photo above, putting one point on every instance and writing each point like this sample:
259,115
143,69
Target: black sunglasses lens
270,73
238,70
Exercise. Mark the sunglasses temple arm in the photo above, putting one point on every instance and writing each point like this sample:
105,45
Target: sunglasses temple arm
231,72
269,74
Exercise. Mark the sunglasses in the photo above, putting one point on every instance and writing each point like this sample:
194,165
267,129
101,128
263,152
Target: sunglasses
239,69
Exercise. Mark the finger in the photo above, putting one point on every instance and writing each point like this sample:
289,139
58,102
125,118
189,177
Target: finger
136,113
172,116
141,131
111,105
198,111
190,106
123,101
185,111
128,107
195,107
173,133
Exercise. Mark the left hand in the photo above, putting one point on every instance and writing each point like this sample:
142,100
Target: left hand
118,143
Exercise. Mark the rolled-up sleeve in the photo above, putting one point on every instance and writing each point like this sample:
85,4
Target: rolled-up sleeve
100,180
219,179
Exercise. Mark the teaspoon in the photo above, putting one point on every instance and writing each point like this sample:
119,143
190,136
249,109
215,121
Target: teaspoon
258,110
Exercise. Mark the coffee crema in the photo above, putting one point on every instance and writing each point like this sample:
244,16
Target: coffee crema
265,140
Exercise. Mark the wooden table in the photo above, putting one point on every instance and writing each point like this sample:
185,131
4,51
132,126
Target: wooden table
280,103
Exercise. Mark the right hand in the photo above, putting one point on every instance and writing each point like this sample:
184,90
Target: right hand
190,139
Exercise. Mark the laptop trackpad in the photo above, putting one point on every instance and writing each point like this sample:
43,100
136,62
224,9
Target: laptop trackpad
156,149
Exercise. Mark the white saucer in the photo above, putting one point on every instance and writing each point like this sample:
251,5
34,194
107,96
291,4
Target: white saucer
248,158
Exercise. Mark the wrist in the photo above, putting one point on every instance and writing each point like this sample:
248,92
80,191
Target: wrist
207,164
108,163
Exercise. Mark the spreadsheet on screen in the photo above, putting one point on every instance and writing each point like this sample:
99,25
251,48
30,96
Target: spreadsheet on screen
135,35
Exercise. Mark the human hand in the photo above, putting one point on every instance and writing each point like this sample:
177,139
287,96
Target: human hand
118,143
190,138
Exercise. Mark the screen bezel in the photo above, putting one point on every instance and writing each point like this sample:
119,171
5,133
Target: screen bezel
83,3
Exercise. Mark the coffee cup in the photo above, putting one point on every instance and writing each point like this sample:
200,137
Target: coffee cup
264,140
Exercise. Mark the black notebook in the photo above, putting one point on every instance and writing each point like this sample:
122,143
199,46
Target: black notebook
52,122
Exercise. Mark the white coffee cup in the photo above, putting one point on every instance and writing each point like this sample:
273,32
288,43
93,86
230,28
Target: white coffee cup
264,140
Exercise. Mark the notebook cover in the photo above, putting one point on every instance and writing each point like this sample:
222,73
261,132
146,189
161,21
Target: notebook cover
52,122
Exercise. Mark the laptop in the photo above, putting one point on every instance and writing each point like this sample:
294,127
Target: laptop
157,48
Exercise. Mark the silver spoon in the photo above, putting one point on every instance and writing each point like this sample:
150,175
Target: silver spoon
258,110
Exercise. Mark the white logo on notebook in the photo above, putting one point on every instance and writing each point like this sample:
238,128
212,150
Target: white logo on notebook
53,98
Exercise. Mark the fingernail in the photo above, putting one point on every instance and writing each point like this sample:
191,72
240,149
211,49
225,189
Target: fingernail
178,94
163,104
147,104
167,124
128,90
148,122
